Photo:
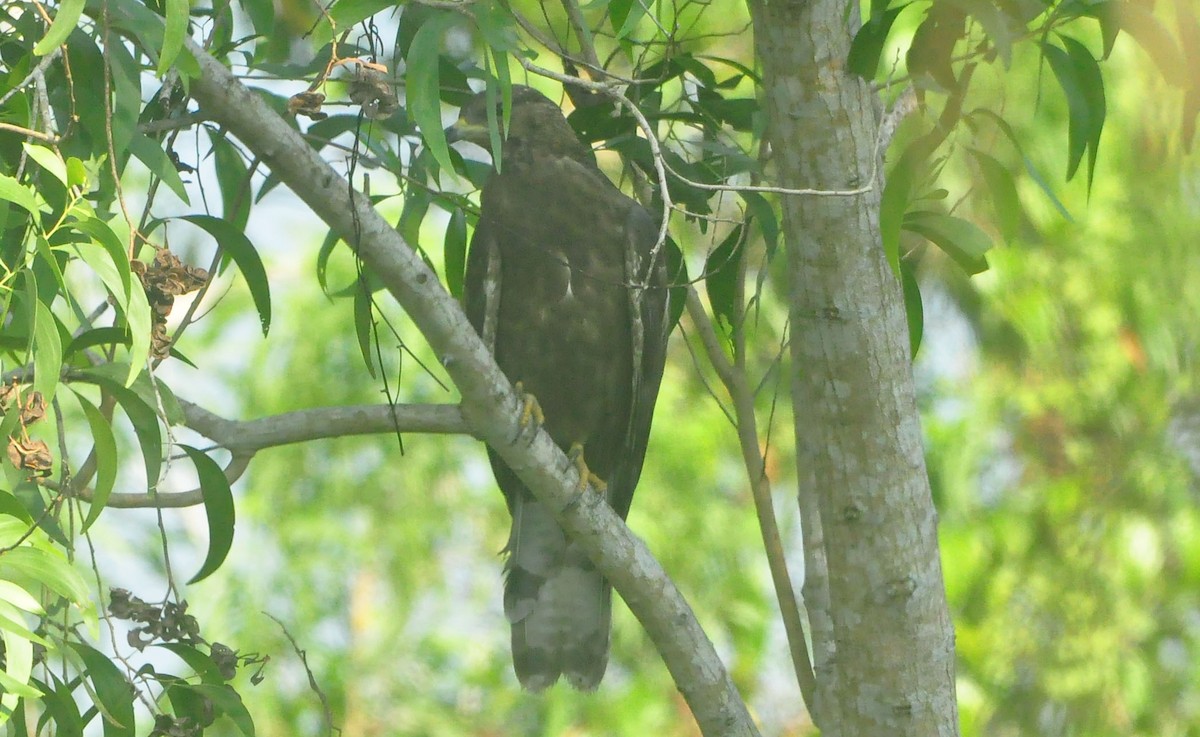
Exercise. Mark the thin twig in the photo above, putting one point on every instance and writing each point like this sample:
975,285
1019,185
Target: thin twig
312,680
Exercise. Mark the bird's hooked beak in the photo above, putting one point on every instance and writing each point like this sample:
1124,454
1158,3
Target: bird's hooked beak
469,130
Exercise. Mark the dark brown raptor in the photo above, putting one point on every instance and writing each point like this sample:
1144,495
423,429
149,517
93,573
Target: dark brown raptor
559,284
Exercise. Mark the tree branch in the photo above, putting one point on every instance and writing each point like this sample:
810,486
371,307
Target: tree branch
490,406
734,378
326,422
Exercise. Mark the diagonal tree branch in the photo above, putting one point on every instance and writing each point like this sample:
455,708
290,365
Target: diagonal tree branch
490,405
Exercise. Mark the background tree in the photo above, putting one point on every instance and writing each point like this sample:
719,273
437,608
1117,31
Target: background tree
1086,391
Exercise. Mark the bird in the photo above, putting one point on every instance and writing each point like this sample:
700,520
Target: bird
566,282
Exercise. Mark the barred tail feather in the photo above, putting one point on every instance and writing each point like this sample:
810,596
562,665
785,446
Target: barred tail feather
558,604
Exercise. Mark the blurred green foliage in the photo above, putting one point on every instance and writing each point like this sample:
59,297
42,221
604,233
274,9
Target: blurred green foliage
1069,527
1057,389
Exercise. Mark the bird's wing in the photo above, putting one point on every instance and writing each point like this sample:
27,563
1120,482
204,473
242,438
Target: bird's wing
649,322
481,284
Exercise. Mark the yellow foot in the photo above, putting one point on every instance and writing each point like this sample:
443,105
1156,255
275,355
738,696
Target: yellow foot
586,477
531,413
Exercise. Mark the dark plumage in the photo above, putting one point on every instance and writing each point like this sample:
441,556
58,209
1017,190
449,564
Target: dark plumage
549,286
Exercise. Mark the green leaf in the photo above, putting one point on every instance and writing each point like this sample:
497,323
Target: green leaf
1003,192
14,595
323,254
31,568
364,323
18,667
235,243
722,269
177,12
11,620
104,447
262,15
127,99
677,277
201,663
114,694
64,22
47,352
346,13
17,193
218,507
868,43
115,271
48,160
95,337
962,240
61,708
914,311
764,217
625,15
1030,169
454,252
150,152
1091,82
894,202
227,701
422,85
77,175
137,314
1079,123
141,415
233,177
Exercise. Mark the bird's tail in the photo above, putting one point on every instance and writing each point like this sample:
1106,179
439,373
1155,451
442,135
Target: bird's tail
558,604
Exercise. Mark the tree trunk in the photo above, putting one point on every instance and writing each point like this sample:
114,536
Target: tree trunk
885,661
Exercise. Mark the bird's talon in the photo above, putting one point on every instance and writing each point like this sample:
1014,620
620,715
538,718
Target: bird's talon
531,413
586,477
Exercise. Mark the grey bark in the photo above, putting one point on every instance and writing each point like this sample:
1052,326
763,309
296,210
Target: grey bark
885,658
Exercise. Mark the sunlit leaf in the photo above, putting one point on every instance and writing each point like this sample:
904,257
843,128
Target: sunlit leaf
47,352
48,160
19,597
64,22
177,12
31,568
17,193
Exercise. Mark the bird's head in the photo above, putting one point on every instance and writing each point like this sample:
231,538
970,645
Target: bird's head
536,121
